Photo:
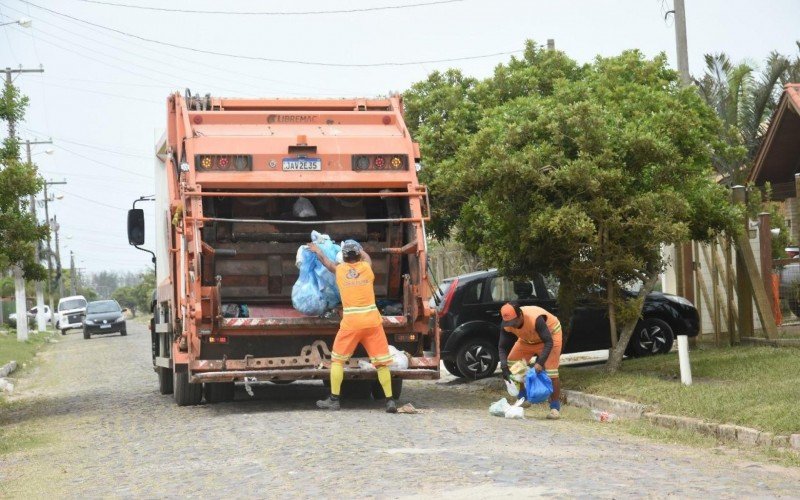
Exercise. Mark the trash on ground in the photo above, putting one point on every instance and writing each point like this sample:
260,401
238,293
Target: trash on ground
603,416
516,411
411,409
499,407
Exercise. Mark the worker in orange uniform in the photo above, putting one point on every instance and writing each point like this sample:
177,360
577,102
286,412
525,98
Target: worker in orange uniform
532,331
361,322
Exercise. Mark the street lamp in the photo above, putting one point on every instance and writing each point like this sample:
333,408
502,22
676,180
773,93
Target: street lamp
23,21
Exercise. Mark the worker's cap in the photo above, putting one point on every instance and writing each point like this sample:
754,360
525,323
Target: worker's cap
351,248
508,313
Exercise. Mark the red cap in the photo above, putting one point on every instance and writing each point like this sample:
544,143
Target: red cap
508,312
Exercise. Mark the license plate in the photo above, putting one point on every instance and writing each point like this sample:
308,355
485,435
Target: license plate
302,164
105,326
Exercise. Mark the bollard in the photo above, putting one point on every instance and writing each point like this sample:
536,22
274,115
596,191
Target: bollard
683,358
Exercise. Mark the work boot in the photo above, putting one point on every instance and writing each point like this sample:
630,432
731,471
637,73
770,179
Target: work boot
332,403
554,414
391,406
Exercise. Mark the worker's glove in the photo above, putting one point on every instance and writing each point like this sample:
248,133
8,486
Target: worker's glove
506,372
537,367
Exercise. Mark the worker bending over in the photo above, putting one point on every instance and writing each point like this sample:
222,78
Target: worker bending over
361,322
532,331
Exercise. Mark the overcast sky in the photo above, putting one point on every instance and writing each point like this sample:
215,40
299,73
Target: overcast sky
101,98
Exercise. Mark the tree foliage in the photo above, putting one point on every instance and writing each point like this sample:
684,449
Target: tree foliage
579,171
138,296
19,232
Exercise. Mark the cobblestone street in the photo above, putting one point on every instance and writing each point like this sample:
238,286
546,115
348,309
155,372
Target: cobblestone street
107,432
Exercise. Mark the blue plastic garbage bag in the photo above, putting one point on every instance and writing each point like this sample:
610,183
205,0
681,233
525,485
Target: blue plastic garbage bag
326,279
538,386
306,295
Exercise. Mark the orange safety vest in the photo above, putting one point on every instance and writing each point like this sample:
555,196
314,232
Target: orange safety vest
528,332
355,282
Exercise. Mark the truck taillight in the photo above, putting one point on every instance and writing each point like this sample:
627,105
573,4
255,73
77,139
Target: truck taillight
241,163
218,340
387,162
448,298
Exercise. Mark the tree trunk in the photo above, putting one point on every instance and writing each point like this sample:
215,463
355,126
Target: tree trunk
615,355
612,314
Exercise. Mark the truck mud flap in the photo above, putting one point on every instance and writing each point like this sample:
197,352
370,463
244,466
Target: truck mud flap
307,374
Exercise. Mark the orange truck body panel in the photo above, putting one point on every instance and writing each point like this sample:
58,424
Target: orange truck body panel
227,170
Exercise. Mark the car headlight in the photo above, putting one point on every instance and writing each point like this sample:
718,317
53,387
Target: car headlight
88,322
120,319
680,300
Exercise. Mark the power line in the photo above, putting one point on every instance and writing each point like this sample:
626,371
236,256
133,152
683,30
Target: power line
139,174
94,201
92,146
270,59
98,92
274,13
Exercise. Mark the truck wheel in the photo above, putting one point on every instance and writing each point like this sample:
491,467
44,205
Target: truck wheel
164,380
377,390
357,389
219,392
186,393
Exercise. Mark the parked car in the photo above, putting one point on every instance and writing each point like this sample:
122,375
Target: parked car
70,313
104,316
31,313
469,317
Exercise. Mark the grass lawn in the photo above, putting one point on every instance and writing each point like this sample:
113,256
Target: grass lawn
21,352
750,386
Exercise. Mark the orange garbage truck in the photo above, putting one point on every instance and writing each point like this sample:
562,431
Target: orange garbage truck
229,176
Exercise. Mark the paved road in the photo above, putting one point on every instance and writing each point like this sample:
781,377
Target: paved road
107,432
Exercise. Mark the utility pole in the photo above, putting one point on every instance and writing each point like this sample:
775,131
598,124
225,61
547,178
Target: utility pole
680,42
41,324
72,272
19,279
58,259
49,248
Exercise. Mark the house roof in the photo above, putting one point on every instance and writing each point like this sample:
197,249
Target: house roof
778,158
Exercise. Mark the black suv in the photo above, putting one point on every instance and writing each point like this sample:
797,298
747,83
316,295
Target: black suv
469,317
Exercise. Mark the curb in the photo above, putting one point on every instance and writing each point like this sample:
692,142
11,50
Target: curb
8,368
744,436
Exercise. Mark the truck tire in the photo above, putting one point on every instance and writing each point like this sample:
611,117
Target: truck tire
164,380
377,390
219,392
186,393
357,389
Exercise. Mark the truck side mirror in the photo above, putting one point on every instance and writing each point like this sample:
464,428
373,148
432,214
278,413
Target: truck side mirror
136,226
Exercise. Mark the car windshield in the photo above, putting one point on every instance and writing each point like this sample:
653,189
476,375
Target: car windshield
72,304
103,307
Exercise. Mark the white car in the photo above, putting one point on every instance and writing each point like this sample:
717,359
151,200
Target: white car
48,315
71,311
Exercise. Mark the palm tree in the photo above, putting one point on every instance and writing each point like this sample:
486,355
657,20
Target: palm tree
744,99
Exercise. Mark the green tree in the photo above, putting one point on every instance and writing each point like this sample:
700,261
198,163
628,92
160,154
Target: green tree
584,175
19,232
126,296
138,296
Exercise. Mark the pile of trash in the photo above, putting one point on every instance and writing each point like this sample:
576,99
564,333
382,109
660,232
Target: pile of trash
537,389
315,290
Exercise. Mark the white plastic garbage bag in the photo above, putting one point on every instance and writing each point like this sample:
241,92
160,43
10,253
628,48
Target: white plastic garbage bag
516,411
499,407
400,360
303,208
512,388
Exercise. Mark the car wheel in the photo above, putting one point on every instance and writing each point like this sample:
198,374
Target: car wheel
377,389
123,332
186,393
452,367
63,332
164,380
86,334
219,392
477,359
652,336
